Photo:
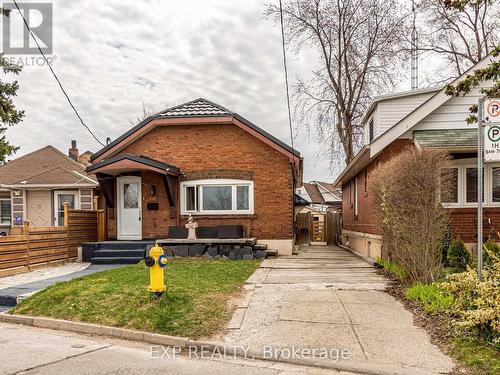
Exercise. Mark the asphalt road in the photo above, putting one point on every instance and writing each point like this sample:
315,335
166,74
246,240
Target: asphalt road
29,350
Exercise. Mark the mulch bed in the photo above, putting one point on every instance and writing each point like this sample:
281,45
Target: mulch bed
437,325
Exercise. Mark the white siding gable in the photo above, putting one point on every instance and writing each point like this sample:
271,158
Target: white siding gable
452,114
388,112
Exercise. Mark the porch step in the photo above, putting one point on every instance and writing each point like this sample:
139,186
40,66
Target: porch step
111,253
123,245
116,260
271,253
260,246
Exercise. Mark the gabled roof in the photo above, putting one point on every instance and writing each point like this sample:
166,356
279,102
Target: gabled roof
329,188
415,116
313,192
46,166
199,108
396,95
407,123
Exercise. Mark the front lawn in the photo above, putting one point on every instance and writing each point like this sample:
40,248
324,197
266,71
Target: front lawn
195,303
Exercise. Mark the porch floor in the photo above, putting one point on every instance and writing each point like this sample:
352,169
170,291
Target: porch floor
208,241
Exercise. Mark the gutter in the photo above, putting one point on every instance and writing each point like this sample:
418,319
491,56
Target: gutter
353,162
47,186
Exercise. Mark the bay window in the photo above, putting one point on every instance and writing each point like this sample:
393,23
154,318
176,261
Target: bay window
216,197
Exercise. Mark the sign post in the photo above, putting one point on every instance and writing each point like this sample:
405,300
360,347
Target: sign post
488,149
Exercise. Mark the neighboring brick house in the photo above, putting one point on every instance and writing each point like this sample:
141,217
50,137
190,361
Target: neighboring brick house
425,118
35,186
203,160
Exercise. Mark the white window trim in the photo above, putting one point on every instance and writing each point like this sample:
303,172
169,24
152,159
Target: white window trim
462,165
217,182
10,222
76,193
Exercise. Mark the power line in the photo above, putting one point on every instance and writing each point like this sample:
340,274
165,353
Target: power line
289,115
286,76
55,76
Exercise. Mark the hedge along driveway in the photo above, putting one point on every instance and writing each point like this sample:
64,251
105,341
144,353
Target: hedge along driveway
195,304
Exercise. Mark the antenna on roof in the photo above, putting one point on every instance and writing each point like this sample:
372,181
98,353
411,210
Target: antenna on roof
414,49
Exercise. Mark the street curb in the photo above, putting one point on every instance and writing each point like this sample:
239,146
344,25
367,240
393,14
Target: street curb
94,329
186,343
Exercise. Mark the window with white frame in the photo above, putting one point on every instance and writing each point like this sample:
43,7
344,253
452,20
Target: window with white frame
464,184
215,197
5,212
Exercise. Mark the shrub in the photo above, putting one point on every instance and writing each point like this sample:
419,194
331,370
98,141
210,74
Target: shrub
445,244
490,247
477,302
412,219
431,297
393,268
458,257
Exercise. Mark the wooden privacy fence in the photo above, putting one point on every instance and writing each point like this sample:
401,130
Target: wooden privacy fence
305,228
42,245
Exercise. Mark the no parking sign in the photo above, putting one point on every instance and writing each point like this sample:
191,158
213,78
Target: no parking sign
492,130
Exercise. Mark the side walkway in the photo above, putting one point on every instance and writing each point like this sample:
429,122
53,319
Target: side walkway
18,287
327,298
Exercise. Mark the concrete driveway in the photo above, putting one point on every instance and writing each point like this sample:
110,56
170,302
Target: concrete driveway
328,307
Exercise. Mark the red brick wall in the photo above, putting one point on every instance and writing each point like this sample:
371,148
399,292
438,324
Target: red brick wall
464,223
224,150
366,222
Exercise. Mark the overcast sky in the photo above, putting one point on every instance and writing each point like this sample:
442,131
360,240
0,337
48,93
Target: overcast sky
113,55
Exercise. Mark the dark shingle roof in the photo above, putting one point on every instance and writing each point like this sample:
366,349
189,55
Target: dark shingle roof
198,107
448,138
195,108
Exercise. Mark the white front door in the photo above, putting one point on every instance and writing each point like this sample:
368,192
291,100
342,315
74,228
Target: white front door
129,208
61,197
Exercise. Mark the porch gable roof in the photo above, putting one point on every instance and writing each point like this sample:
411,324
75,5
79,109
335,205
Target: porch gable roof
129,161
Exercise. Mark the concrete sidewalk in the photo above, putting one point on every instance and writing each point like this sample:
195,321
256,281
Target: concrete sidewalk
15,288
327,298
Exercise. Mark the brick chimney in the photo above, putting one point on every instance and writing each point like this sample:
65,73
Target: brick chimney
73,151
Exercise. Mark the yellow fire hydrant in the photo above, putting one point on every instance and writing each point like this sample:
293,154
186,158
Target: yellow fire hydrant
156,261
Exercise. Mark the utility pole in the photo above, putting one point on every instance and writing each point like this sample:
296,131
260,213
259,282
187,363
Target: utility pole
414,49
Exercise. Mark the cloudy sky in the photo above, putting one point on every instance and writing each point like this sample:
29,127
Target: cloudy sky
114,55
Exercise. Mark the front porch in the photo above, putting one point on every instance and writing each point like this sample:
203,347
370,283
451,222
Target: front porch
141,196
131,252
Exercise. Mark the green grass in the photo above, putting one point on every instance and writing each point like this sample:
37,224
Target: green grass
393,268
477,356
195,303
429,295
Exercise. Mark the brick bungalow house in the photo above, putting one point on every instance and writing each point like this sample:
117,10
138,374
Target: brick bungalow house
203,160
425,118
35,186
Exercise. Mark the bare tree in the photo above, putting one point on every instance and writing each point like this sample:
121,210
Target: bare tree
463,31
147,111
358,42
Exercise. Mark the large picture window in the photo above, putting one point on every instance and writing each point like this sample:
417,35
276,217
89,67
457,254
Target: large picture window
217,197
